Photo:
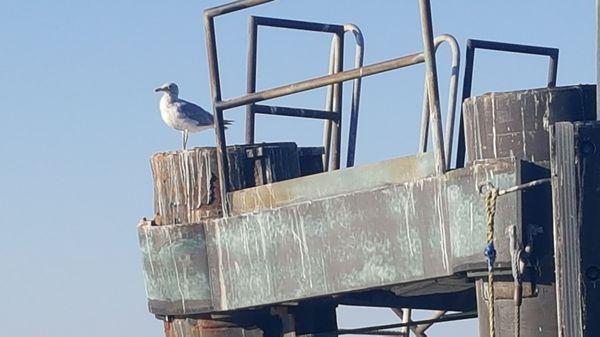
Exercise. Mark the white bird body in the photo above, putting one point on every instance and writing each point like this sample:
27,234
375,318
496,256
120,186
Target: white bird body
170,111
182,115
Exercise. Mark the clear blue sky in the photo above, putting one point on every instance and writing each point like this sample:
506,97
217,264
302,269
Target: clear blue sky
80,121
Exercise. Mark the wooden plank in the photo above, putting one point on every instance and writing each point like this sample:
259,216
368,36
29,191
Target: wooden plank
576,196
186,182
515,124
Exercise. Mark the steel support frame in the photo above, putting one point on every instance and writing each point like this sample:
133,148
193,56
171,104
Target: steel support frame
220,105
472,45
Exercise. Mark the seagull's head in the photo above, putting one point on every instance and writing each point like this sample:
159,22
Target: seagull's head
169,88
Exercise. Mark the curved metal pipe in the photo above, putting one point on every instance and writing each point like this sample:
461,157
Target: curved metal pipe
452,97
233,7
356,91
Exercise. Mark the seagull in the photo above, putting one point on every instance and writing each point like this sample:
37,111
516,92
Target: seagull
182,115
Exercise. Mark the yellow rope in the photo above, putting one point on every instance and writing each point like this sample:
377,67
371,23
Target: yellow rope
490,205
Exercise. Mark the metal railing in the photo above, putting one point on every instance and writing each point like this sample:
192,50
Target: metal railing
336,79
356,90
333,110
452,96
472,45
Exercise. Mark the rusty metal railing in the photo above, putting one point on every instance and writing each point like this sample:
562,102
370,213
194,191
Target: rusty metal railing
336,79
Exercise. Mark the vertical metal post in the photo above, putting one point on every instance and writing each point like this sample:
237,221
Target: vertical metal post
553,71
337,104
432,85
329,106
356,88
406,318
552,53
466,93
215,87
597,58
424,130
452,96
251,79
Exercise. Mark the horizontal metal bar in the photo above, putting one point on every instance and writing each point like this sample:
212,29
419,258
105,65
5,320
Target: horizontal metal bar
323,81
511,47
294,112
380,330
485,188
525,186
300,25
233,6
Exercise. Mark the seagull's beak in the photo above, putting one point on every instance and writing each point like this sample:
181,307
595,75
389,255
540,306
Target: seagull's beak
159,89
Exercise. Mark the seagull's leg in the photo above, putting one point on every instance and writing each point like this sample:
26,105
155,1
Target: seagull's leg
183,139
187,134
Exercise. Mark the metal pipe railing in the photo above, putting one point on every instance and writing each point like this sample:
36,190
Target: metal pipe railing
336,53
336,132
329,106
472,45
432,85
359,57
215,86
318,82
452,97
294,112
233,7
251,77
356,90
428,56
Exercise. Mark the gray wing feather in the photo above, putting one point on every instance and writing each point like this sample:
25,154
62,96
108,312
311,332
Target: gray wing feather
196,113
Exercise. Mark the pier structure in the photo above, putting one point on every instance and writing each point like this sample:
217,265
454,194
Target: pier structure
267,239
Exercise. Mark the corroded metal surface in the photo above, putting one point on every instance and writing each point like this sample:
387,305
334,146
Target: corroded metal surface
175,268
355,241
394,171
515,124
399,235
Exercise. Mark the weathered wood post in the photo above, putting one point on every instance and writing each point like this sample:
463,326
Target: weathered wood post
576,197
516,124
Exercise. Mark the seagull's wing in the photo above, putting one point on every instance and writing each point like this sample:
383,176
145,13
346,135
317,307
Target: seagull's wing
195,113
